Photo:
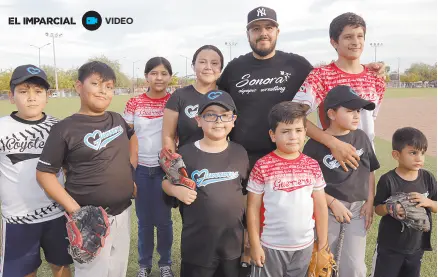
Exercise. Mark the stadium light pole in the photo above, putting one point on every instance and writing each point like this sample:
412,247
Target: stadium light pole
53,36
230,44
133,66
398,69
186,63
39,53
375,45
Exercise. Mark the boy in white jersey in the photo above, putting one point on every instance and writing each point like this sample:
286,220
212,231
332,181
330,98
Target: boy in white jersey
31,220
286,199
347,36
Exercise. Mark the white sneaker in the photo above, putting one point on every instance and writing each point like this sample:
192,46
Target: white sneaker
166,271
144,272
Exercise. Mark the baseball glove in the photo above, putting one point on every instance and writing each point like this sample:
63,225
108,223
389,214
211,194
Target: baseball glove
322,263
87,229
175,169
413,217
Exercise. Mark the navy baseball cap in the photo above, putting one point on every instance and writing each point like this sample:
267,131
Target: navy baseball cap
217,97
262,13
25,72
345,96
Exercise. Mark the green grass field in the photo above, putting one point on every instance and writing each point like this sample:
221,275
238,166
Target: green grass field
62,107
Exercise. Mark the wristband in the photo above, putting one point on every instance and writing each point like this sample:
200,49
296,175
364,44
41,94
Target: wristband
332,202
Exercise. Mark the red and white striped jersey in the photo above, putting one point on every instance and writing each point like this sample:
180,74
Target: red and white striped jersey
286,215
322,79
146,114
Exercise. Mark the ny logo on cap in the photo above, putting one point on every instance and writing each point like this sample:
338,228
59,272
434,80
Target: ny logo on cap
33,70
261,12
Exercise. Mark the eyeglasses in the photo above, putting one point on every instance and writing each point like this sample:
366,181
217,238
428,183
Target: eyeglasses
211,117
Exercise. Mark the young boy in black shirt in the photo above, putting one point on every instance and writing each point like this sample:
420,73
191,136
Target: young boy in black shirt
399,253
349,194
212,234
93,147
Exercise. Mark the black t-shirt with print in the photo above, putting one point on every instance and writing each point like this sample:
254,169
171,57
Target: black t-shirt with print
212,226
348,186
186,102
256,86
390,235
95,152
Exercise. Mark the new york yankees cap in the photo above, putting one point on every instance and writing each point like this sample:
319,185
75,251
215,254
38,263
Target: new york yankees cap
345,96
262,13
217,97
25,72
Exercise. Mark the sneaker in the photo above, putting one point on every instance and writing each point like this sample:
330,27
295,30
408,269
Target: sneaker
145,272
166,271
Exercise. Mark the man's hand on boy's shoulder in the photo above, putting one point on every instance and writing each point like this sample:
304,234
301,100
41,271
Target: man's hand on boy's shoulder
378,68
344,153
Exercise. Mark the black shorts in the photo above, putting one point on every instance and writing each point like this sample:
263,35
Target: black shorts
224,268
393,264
22,243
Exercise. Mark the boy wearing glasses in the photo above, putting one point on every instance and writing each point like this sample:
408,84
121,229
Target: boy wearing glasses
212,234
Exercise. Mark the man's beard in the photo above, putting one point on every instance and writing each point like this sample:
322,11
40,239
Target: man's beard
262,53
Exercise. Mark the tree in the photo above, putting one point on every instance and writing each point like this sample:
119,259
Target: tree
410,77
122,79
5,78
422,72
174,80
66,78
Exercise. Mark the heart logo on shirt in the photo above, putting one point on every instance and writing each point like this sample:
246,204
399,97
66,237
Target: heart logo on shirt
98,140
199,176
214,94
93,140
203,177
33,70
191,111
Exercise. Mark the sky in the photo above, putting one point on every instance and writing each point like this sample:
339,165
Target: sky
173,29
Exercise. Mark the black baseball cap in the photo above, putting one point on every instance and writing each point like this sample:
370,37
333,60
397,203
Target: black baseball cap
262,13
25,72
217,97
345,96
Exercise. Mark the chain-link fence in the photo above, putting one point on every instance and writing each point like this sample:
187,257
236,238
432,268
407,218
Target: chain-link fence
4,95
419,84
72,92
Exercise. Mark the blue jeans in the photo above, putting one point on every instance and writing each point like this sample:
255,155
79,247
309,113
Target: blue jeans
152,212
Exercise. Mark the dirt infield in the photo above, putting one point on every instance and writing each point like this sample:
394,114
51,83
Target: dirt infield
414,112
